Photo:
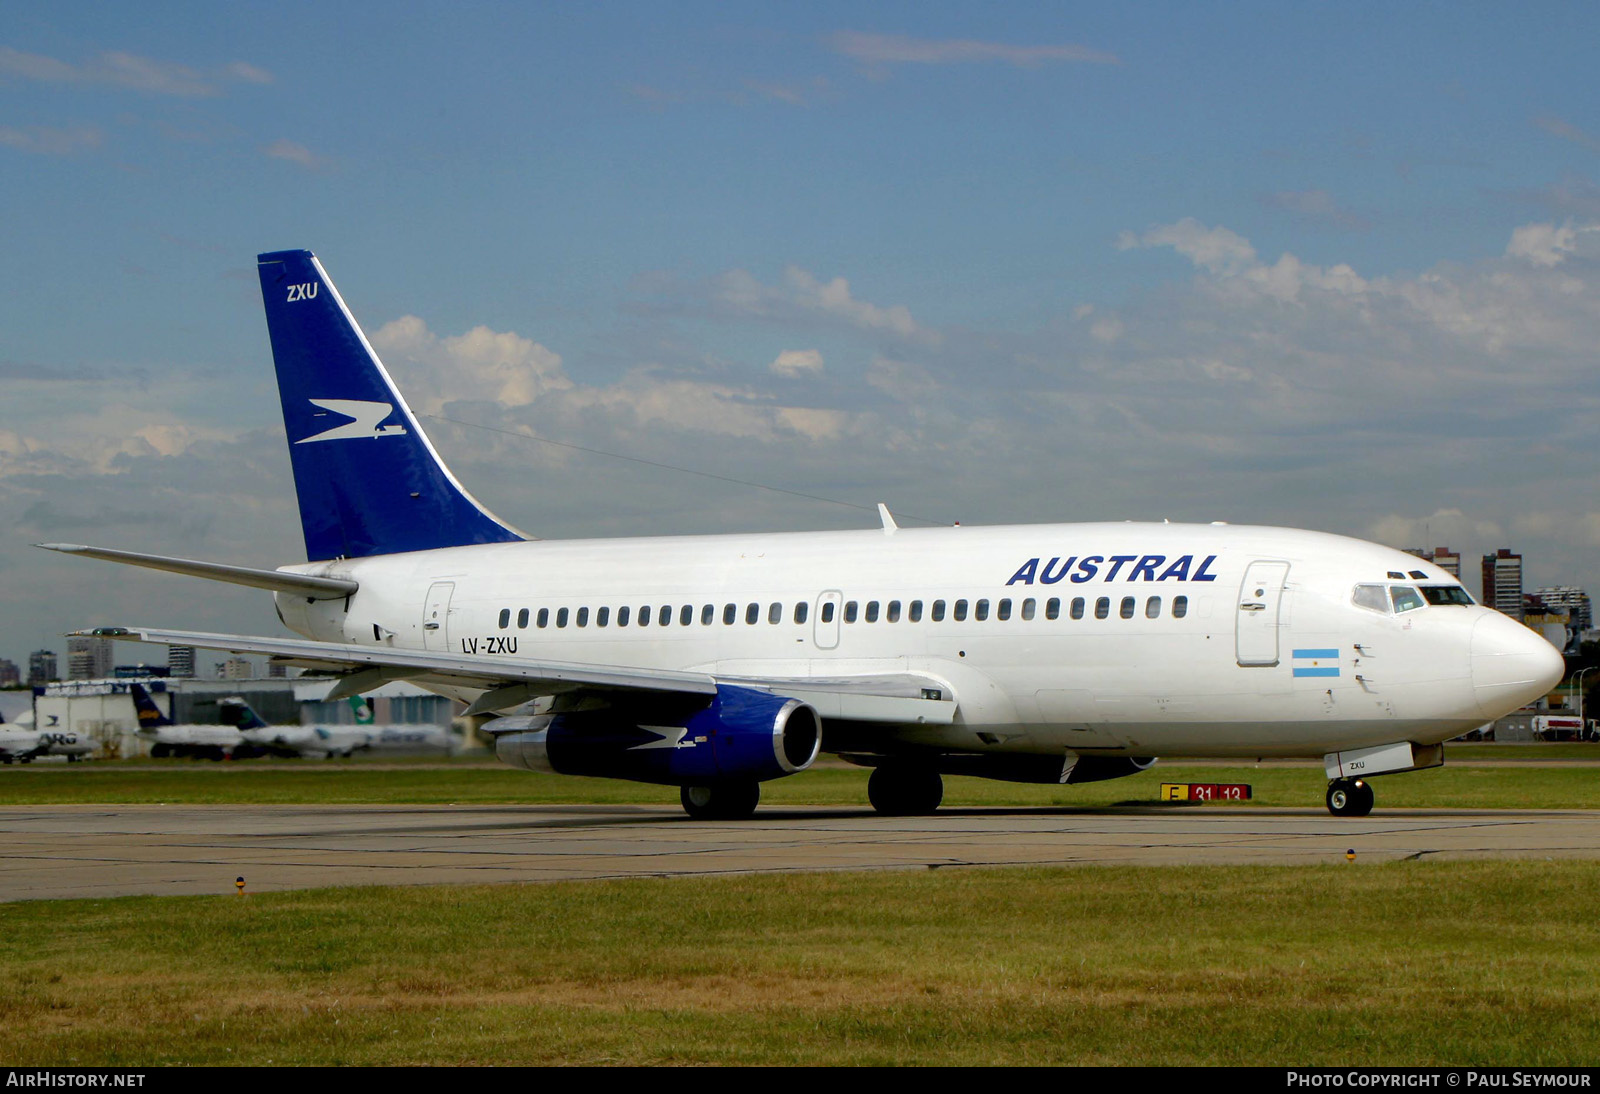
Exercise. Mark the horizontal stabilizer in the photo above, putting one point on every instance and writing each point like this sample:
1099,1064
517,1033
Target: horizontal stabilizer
312,588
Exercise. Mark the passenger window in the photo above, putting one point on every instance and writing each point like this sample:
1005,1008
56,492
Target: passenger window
894,611
1027,608
1077,607
827,611
1406,599
752,613
644,616
850,609
730,612
602,616
800,612
561,617
872,611
505,618
622,616
1052,608
980,610
1180,607
775,613
708,613
1127,607
1152,608
543,619
1374,598
686,615
961,610
1003,609
583,617
1102,608
664,617
916,611
938,611
522,620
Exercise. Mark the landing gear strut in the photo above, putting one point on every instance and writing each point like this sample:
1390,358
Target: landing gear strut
896,790
1349,798
721,801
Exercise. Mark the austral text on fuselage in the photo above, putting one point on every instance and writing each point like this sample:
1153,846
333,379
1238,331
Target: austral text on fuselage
1144,568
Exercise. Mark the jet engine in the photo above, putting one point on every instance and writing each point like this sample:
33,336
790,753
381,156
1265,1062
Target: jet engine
742,734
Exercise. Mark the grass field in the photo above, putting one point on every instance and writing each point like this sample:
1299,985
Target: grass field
1467,782
1409,963
1405,963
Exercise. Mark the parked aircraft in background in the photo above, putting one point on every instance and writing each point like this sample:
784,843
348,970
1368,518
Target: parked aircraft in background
327,742
22,743
166,738
1058,653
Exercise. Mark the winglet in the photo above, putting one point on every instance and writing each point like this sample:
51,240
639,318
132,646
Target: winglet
889,526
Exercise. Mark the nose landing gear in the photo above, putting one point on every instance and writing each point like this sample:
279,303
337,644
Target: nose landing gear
1349,798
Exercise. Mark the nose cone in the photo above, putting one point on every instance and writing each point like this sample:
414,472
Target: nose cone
1511,665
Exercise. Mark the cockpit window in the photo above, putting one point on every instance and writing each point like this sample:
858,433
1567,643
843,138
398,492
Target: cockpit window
1406,599
1372,597
1446,594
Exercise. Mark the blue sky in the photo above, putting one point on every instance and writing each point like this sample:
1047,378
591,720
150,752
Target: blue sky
1319,265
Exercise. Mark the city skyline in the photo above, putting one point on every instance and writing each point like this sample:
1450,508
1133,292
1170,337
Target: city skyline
1322,268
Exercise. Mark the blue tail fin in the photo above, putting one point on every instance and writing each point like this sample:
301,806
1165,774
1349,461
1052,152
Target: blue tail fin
234,711
368,480
150,716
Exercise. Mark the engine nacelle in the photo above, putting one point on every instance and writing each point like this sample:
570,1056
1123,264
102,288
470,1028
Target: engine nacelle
1094,769
742,734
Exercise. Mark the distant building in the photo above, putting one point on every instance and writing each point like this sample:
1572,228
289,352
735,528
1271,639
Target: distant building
237,668
277,671
1443,557
42,668
1502,582
1572,600
10,675
180,662
88,658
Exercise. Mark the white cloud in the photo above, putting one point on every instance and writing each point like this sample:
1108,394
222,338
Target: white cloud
117,68
803,295
480,365
284,149
1567,131
1217,250
797,362
1317,206
1542,244
49,141
902,49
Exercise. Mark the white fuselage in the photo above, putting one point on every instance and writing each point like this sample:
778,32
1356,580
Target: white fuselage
1140,639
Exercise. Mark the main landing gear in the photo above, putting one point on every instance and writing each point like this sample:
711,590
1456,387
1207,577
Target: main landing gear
721,801
1349,798
898,790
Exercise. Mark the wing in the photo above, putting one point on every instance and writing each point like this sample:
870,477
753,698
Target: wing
508,681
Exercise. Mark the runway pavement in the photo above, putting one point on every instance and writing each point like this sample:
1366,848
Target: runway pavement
62,851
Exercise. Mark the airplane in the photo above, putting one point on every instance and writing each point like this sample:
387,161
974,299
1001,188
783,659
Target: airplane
1052,653
325,741
22,743
222,741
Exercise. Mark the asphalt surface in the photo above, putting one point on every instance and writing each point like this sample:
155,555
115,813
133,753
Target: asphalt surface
66,851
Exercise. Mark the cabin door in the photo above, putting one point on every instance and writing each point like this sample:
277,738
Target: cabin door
436,616
1260,596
